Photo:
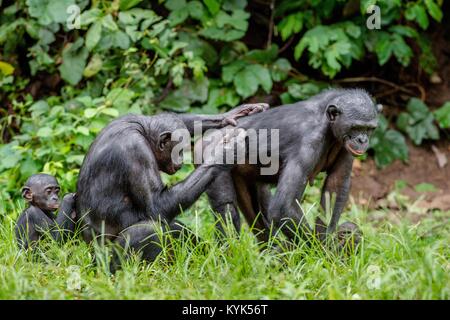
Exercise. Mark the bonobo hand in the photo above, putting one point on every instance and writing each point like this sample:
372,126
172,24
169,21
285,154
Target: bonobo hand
243,110
68,204
226,148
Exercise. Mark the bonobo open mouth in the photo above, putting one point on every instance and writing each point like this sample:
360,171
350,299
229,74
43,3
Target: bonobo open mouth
354,152
54,206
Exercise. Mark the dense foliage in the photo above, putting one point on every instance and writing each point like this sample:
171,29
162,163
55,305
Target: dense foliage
62,83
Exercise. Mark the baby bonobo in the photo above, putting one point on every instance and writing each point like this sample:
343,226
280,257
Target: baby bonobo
41,192
321,134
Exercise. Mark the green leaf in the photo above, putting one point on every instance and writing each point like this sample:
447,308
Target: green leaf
178,16
108,23
110,112
127,4
434,10
94,66
6,68
248,79
303,91
90,113
388,144
280,69
229,71
39,108
74,58
93,35
44,132
175,4
401,50
120,97
417,109
416,12
48,11
443,115
83,130
212,5
425,187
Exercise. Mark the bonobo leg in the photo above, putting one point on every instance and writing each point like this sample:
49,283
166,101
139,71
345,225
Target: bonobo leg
145,239
338,182
222,197
253,202
284,210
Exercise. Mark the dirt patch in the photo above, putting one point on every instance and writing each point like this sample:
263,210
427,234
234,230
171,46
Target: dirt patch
370,185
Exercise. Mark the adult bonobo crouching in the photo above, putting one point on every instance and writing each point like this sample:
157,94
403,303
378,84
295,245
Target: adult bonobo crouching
120,193
323,133
41,192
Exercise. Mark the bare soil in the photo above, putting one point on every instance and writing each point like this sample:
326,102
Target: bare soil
370,185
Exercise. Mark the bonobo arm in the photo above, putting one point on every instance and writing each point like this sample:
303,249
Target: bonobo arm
161,202
66,218
34,223
338,181
284,209
221,120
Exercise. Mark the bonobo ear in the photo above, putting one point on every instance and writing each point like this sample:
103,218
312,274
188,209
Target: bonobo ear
333,112
27,194
379,108
163,139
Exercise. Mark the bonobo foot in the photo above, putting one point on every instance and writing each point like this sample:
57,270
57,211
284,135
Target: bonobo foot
347,237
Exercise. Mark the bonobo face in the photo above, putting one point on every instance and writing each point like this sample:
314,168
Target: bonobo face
41,190
164,157
167,127
353,118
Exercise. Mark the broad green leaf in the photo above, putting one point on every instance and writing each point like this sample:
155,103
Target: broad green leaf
127,4
212,5
120,97
443,115
248,79
110,112
229,71
434,10
74,61
417,109
108,23
389,145
83,130
6,68
49,11
178,16
94,66
44,132
93,35
303,91
175,4
90,113
416,12
39,108
425,187
280,69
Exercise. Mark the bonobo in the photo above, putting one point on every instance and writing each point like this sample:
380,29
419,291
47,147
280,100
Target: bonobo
120,194
321,134
41,192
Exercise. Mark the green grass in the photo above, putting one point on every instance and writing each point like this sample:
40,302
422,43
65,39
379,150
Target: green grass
396,260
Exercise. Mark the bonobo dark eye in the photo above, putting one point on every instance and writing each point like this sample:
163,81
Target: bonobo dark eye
48,191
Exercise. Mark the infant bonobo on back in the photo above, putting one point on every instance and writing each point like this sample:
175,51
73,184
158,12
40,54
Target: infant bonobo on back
41,192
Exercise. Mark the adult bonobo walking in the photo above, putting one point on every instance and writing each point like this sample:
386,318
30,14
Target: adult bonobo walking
120,193
323,133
